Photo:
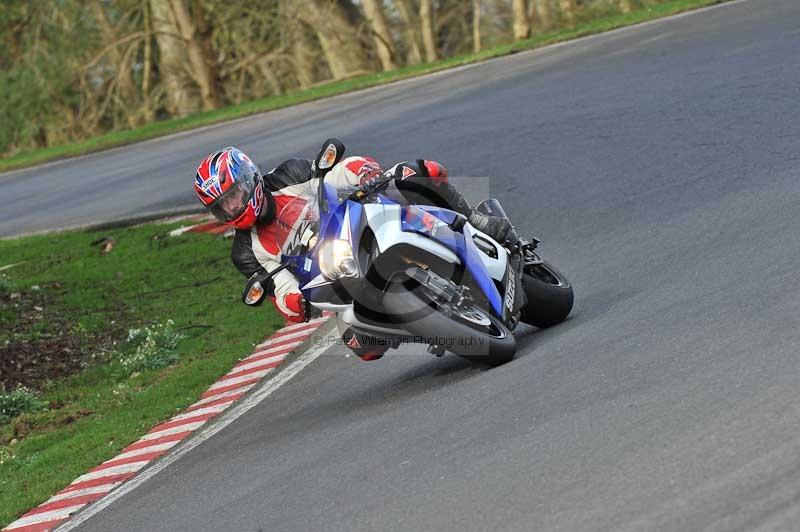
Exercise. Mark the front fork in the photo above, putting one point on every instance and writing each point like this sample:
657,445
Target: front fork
444,292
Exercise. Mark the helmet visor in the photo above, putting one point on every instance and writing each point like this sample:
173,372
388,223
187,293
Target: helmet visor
234,201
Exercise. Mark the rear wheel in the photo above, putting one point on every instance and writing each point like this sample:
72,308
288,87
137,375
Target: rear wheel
469,331
550,295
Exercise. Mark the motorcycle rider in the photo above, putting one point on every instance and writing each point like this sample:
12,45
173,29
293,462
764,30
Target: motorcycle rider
265,210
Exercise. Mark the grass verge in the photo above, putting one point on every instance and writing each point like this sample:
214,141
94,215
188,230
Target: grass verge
127,381
165,127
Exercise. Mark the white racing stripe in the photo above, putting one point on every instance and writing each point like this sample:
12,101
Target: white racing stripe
237,380
179,231
200,412
286,348
145,450
258,363
229,394
284,338
221,423
44,516
85,491
187,427
113,470
298,326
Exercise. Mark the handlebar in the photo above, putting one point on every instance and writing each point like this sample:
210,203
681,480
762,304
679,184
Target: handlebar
370,187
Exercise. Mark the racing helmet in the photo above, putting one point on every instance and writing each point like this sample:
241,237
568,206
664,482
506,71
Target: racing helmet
230,187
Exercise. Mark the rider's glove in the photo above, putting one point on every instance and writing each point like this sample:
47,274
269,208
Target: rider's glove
292,306
369,186
369,171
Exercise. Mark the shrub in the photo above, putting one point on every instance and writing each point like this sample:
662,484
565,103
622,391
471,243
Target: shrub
6,284
150,348
18,402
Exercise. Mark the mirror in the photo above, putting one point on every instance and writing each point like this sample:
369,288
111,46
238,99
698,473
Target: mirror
328,158
254,293
330,154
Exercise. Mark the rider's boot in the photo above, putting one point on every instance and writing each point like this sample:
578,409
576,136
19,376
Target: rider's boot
365,347
494,226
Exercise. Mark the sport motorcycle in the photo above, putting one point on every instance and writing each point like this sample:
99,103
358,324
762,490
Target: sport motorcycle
397,273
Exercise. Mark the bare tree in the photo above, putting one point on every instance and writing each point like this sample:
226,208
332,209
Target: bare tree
522,24
381,33
148,110
338,36
414,55
303,56
453,27
568,11
544,12
426,22
183,98
122,62
199,51
476,26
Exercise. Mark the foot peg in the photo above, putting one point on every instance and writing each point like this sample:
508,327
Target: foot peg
436,350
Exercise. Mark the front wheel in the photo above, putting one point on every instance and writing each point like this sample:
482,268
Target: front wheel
550,295
469,331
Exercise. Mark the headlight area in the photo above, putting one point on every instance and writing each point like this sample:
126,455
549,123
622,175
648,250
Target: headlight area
336,260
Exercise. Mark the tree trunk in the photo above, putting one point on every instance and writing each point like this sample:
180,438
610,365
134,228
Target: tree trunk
148,109
303,57
173,61
625,6
127,87
199,52
272,79
476,26
339,38
382,35
414,55
522,24
337,62
568,12
545,13
426,22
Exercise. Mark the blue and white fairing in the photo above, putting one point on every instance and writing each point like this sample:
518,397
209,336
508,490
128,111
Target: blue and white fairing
423,227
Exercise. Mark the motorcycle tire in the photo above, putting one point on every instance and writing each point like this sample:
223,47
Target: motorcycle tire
550,295
471,333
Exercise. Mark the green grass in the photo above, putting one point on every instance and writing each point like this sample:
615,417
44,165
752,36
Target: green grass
146,279
156,129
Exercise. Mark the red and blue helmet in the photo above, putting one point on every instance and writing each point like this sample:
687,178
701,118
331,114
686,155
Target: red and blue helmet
229,185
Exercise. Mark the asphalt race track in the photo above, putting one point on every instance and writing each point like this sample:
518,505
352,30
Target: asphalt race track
661,166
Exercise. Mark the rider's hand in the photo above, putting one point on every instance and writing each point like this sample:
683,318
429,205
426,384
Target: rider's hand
293,307
369,171
371,185
375,183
